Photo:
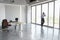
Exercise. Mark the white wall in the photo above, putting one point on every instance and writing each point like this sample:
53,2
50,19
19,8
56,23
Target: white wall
23,13
2,12
12,12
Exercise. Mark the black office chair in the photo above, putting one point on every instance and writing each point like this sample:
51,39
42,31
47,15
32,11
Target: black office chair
16,19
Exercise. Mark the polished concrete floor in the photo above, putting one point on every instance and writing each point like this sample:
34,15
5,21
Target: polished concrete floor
30,32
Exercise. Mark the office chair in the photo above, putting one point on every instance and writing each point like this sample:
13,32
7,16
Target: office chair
5,24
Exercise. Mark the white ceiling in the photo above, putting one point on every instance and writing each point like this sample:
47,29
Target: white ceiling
19,2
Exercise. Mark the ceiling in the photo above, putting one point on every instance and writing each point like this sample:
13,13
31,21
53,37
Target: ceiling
19,2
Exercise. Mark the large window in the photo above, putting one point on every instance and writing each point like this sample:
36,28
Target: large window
51,13
45,10
33,14
38,14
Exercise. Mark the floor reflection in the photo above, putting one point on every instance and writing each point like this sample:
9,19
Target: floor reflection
31,32
42,33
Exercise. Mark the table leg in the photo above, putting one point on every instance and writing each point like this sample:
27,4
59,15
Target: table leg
19,27
15,26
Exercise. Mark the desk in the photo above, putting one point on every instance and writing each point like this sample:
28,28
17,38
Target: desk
19,23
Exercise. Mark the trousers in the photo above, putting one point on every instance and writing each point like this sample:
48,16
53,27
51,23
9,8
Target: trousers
42,21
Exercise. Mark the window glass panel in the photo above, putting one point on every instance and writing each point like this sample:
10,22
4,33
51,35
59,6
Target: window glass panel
45,10
38,14
33,14
56,25
51,14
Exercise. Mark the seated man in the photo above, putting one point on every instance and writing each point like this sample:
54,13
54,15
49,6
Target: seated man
5,24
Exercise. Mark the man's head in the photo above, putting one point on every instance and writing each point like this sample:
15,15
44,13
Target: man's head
43,13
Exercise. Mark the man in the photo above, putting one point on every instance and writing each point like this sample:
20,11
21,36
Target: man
42,19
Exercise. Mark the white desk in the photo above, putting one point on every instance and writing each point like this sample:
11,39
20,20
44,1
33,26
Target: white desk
19,23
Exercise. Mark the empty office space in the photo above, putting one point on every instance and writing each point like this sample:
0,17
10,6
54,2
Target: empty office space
29,19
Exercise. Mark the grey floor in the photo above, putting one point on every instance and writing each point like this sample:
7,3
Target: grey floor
30,32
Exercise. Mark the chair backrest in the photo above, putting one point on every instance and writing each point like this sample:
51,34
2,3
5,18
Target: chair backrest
4,22
16,19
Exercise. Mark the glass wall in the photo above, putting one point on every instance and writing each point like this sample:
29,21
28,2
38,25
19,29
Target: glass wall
51,11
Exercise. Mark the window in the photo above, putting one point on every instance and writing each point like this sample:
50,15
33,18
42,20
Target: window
33,14
56,22
45,10
38,14
50,19
51,13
